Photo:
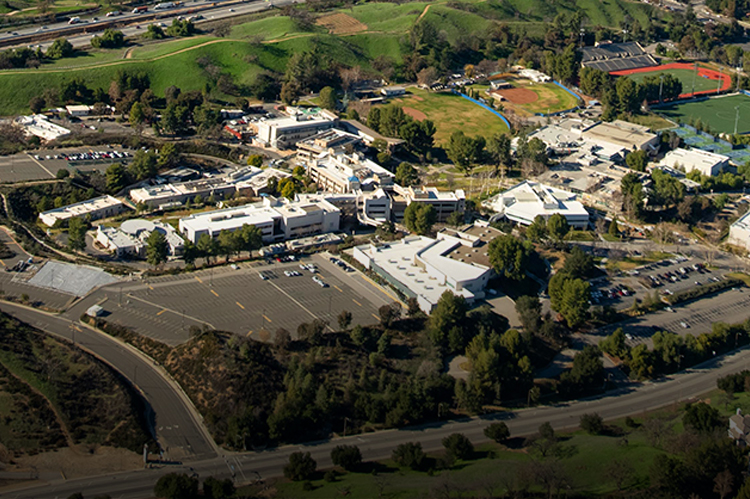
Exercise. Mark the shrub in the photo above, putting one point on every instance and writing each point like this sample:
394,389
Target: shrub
409,455
301,466
346,456
458,446
498,432
592,423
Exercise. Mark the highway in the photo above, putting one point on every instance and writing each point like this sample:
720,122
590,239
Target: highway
173,418
245,467
134,28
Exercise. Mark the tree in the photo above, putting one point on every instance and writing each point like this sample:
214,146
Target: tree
109,39
228,244
497,432
637,160
458,446
620,472
60,49
327,98
529,310
578,263
723,483
586,374
218,489
77,234
347,456
418,135
154,32
169,156
36,105
62,173
345,320
143,165
592,423
157,248
499,149
176,486
509,256
537,231
175,118
419,217
116,177
615,344
249,238
557,227
409,455
702,418
389,314
465,151
136,116
449,314
255,160
627,95
301,466
406,175
570,297
207,246
614,229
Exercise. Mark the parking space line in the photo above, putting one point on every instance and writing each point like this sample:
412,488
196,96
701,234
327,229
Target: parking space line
355,301
240,305
249,333
161,311
376,317
215,293
266,318
2,263
340,291
198,279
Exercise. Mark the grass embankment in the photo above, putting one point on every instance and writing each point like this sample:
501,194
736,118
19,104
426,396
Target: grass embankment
631,262
54,391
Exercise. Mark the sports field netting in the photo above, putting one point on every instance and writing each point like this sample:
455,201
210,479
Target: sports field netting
719,113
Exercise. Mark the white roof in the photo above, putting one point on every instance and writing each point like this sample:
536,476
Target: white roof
693,159
230,218
82,208
117,238
529,199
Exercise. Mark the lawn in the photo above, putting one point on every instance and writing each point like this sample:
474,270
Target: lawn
685,76
452,113
718,113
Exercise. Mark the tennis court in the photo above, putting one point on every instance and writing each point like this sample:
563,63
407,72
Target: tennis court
719,113
707,81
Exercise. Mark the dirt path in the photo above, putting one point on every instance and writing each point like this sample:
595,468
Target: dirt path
426,8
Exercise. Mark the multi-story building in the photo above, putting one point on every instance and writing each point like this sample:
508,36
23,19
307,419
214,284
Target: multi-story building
282,133
130,239
445,203
707,163
94,209
343,173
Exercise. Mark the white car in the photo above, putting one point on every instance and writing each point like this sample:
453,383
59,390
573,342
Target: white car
684,325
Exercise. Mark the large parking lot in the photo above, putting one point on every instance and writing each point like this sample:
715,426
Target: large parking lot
665,277
239,300
44,164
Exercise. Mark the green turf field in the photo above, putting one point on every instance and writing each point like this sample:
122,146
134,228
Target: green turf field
718,113
686,76
452,113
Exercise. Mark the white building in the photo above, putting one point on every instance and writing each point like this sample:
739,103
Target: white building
739,232
707,163
534,75
277,219
621,135
527,200
348,173
393,91
78,110
424,268
101,207
444,202
283,133
38,126
130,239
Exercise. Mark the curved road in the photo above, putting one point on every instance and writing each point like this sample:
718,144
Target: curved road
174,419
248,466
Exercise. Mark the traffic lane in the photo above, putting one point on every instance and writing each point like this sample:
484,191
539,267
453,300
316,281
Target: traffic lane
174,424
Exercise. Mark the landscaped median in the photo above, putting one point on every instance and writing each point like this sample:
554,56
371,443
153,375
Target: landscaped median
705,290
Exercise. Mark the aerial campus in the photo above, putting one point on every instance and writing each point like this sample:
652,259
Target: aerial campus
318,249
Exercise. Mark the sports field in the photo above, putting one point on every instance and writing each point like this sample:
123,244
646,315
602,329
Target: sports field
450,113
707,81
538,98
719,113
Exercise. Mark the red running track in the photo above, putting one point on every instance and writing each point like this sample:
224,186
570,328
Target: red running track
726,80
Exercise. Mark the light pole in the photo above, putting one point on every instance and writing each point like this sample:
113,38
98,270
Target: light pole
661,85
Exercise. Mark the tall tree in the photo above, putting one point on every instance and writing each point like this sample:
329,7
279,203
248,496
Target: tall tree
157,248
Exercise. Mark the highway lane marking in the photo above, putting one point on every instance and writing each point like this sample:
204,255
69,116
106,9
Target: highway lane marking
355,301
198,279
266,318
240,305
161,311
215,293
338,288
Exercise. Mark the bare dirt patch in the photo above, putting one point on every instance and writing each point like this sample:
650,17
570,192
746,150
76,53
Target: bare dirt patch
81,461
414,113
341,24
519,95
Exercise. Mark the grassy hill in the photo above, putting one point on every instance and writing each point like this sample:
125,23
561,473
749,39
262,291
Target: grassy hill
242,55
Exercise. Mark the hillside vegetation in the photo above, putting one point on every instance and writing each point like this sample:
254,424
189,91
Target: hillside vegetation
51,393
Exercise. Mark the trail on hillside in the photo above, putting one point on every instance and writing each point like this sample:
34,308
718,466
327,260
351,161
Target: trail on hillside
426,8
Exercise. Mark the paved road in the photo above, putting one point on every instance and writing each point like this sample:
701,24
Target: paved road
172,417
245,467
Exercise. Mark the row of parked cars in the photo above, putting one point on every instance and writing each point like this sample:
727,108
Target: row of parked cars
607,294
341,264
86,156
